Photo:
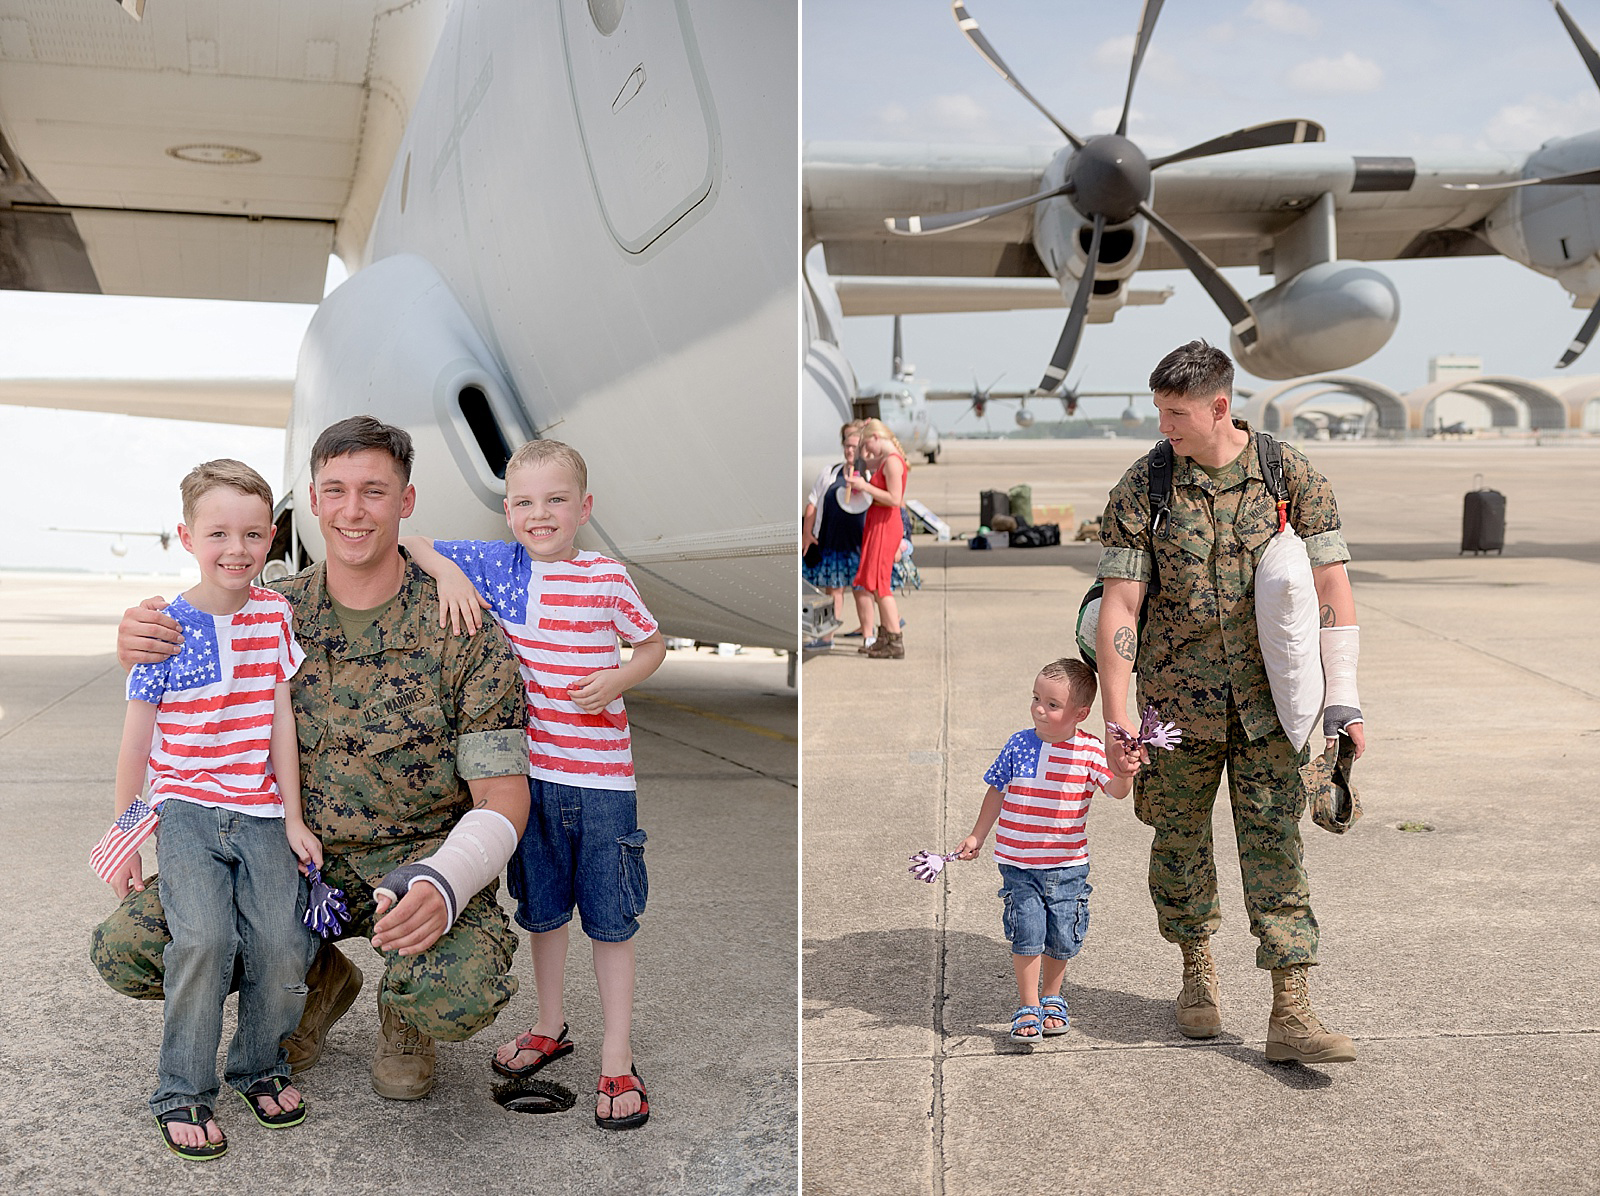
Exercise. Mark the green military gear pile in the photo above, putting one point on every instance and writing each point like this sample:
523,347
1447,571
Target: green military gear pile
392,725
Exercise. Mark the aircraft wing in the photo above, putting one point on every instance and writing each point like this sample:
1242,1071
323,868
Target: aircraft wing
218,149
1232,206
254,402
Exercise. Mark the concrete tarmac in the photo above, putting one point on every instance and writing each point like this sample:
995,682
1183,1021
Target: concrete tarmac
1460,918
714,1022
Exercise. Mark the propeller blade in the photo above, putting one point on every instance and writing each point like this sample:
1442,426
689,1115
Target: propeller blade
969,28
1555,180
897,360
921,226
1067,346
1241,319
1147,26
1277,132
1586,50
1585,335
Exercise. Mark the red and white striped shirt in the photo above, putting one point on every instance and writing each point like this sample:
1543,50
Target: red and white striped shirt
1044,806
563,619
215,705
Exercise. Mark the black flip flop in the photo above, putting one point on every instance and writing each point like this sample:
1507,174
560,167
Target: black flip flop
272,1086
193,1115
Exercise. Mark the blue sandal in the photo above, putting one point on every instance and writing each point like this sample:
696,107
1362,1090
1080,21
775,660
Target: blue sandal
1023,1019
1055,1005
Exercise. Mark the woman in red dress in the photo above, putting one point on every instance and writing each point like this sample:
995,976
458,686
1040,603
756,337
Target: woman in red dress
880,538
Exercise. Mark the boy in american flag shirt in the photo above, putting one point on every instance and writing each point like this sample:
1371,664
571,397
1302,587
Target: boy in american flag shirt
563,610
1039,791
212,732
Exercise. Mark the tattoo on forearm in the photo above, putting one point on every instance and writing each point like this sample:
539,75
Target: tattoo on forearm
1124,642
1327,616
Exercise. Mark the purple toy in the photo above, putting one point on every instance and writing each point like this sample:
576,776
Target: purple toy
326,911
926,865
1152,732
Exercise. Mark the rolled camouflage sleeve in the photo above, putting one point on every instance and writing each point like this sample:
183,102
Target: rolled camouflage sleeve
1315,513
491,729
1124,538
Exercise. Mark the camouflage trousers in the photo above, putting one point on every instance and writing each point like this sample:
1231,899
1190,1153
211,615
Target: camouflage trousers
450,991
1174,795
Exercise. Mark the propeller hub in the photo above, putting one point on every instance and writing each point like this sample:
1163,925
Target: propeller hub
1110,177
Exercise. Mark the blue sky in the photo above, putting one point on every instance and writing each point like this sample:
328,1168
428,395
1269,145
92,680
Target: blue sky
1383,76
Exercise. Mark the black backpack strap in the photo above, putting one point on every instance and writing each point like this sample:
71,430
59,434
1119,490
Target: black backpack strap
1159,489
1270,453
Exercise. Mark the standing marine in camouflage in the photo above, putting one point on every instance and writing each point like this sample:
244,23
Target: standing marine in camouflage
413,764
1199,662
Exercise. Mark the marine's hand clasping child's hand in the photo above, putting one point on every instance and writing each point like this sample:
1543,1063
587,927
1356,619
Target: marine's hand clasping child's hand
597,691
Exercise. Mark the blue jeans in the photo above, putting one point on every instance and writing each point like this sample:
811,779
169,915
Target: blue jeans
582,847
1046,909
229,884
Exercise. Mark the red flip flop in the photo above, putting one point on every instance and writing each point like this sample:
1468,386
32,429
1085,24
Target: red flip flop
615,1086
550,1049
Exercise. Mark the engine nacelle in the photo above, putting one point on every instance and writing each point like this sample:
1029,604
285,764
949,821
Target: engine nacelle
1554,230
1327,317
1061,238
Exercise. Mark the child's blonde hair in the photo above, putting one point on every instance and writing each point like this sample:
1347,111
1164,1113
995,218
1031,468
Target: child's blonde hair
224,471
876,427
537,452
1078,676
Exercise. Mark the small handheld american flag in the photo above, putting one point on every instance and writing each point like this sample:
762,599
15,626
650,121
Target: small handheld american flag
132,827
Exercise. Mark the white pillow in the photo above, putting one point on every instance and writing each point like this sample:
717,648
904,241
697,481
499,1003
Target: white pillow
1286,621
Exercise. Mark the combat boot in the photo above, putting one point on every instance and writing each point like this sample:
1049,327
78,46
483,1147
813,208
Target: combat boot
402,1066
1199,1010
890,645
333,982
1294,1033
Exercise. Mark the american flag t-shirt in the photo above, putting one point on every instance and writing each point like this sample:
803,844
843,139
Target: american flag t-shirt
132,827
563,619
1046,789
215,697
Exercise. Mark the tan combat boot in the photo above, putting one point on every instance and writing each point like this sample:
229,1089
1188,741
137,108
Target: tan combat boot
890,645
1199,1011
333,982
402,1066
1294,1033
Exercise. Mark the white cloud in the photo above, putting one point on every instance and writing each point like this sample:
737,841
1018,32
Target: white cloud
1345,74
1535,120
893,115
1284,17
959,112
1116,54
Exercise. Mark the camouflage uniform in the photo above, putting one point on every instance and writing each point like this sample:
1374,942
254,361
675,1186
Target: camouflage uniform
391,728
1199,662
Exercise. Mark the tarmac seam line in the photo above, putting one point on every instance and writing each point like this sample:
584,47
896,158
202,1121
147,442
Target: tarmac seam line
70,694
789,781
942,822
1471,647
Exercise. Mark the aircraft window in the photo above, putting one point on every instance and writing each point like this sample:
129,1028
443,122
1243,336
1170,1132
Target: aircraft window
485,429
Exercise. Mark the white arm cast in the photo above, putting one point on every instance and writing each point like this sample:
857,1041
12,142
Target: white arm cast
1341,649
473,856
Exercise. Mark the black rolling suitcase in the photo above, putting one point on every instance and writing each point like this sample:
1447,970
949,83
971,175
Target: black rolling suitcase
1483,520
992,503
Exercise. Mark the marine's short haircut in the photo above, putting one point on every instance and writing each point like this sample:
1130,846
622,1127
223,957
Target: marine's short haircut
356,435
537,452
225,471
1078,676
1194,371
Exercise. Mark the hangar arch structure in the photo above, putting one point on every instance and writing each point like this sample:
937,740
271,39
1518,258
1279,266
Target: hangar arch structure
1273,407
1505,397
